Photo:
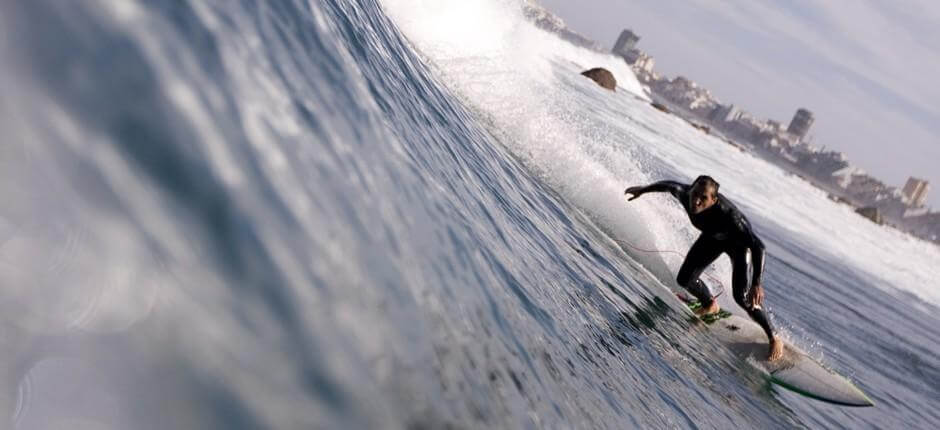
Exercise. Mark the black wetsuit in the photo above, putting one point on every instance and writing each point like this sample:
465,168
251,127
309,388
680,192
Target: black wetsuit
725,230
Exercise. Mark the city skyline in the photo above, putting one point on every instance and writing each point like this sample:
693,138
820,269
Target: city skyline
868,98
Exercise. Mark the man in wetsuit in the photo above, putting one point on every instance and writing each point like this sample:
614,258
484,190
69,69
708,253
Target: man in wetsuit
725,230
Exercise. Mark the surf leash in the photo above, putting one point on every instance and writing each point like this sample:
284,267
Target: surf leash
661,251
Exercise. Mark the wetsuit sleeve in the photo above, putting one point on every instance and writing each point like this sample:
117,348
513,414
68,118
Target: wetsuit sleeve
677,189
750,239
757,258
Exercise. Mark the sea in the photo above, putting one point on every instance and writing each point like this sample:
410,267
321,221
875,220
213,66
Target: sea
399,214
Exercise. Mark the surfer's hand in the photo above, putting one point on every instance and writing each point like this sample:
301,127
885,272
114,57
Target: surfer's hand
635,191
757,295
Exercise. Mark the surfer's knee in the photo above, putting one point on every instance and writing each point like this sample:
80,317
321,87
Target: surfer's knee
686,278
682,279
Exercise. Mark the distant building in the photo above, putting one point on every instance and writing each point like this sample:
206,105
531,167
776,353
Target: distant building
871,213
926,225
687,94
801,123
644,63
725,113
822,165
745,127
633,56
916,212
915,191
626,43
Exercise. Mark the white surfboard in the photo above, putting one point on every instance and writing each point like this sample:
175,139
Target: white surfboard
795,370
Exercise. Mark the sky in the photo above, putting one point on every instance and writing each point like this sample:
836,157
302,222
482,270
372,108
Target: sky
865,68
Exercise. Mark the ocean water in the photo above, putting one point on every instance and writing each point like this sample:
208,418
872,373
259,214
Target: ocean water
397,214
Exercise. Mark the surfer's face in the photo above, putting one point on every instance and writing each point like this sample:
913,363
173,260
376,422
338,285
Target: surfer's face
702,196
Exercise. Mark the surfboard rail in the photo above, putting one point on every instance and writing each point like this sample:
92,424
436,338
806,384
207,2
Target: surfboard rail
795,370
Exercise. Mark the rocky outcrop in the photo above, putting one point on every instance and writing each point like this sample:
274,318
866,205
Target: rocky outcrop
702,127
602,76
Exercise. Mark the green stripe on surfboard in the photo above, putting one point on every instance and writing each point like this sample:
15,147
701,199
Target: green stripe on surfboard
710,318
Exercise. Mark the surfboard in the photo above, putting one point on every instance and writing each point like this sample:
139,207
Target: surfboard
795,370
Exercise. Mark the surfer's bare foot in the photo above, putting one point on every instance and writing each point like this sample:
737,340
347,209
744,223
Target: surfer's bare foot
713,309
776,349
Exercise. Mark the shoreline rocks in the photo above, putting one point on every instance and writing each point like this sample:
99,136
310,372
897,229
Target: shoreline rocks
602,76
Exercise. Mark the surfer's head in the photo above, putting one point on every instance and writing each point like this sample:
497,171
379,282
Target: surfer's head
704,193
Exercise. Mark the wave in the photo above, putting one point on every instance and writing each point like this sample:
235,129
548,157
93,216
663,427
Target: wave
327,214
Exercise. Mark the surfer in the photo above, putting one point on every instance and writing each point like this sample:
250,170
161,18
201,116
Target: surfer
725,230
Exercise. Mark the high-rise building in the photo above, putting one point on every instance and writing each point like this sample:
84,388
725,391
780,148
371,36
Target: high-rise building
915,190
801,123
625,43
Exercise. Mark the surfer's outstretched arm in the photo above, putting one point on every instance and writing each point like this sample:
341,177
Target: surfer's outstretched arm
671,187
